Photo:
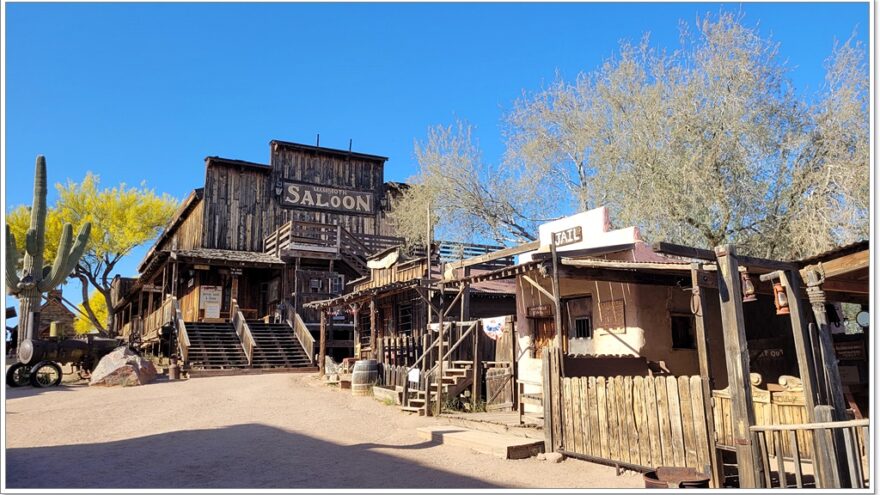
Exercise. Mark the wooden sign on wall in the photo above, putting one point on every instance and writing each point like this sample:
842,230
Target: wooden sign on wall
568,236
302,195
612,316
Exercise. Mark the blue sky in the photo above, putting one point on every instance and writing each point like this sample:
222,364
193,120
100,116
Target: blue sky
143,92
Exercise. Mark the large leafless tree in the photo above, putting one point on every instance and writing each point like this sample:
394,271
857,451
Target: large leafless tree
704,144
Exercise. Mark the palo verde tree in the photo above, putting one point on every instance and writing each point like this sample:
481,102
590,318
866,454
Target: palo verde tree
122,219
35,278
702,145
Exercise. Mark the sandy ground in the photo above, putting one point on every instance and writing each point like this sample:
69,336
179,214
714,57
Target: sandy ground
264,431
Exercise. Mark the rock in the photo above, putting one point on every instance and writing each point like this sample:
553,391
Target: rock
541,457
555,457
123,367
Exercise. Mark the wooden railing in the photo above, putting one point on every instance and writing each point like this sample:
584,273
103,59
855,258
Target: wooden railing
285,313
308,236
183,342
855,435
305,337
154,321
243,332
132,330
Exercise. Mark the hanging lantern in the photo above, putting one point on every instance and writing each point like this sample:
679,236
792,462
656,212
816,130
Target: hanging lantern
748,288
780,299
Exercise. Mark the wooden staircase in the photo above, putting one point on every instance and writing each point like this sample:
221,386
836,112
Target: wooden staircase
457,379
214,346
276,346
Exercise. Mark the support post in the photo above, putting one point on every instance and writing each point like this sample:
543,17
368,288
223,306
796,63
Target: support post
715,462
557,299
748,461
373,328
322,348
478,368
439,377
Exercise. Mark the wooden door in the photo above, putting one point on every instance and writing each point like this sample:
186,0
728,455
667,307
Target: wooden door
544,332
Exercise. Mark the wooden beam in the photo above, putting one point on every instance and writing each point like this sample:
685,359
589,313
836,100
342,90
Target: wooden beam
627,265
624,276
557,296
495,255
705,254
716,465
843,265
538,286
749,465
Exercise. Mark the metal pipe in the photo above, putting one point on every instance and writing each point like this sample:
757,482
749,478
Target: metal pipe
606,462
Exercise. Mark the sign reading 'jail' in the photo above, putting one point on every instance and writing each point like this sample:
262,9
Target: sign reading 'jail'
299,195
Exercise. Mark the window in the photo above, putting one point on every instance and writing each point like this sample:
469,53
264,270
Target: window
583,328
580,317
683,331
336,283
315,285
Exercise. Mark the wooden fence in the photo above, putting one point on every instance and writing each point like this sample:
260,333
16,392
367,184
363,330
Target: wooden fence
393,376
643,421
781,404
400,351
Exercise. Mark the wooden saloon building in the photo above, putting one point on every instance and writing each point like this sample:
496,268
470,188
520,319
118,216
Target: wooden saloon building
224,284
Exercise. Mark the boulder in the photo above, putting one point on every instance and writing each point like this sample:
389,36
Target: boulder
123,367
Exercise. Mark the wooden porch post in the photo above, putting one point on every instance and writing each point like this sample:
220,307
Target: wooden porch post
439,377
748,461
373,328
323,343
557,299
715,464
355,318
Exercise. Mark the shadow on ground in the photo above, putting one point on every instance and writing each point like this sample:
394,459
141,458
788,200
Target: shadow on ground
239,456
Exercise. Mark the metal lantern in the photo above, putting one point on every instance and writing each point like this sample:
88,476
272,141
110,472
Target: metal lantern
780,299
748,288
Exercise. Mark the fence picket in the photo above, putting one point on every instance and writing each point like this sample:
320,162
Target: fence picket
603,419
687,423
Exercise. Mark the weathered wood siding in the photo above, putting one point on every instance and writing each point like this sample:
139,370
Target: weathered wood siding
187,234
241,208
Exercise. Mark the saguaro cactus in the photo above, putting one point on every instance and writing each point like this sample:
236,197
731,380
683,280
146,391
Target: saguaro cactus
36,278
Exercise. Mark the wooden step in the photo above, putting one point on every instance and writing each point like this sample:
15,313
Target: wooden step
498,445
417,410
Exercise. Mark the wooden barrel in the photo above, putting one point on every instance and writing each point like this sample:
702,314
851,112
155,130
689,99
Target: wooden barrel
364,375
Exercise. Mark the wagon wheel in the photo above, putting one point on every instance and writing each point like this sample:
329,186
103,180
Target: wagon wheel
46,374
18,375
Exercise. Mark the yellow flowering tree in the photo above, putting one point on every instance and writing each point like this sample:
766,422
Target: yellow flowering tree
122,218
83,324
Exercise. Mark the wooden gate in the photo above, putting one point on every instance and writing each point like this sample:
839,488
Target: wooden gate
643,421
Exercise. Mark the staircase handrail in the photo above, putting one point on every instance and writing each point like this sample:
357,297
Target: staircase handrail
300,330
183,343
243,331
457,343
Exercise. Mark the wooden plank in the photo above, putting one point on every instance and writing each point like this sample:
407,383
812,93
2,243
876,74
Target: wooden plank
644,444
704,447
688,425
556,376
622,429
632,433
548,413
595,433
601,403
667,456
613,425
567,417
675,421
495,255
653,423
584,404
577,416
796,459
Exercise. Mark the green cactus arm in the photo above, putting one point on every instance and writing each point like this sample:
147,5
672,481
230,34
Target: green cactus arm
57,274
30,242
79,247
12,257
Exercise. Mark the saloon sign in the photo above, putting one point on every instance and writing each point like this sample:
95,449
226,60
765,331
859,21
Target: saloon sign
299,195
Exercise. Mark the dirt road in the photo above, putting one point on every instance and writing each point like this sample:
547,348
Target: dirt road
266,431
